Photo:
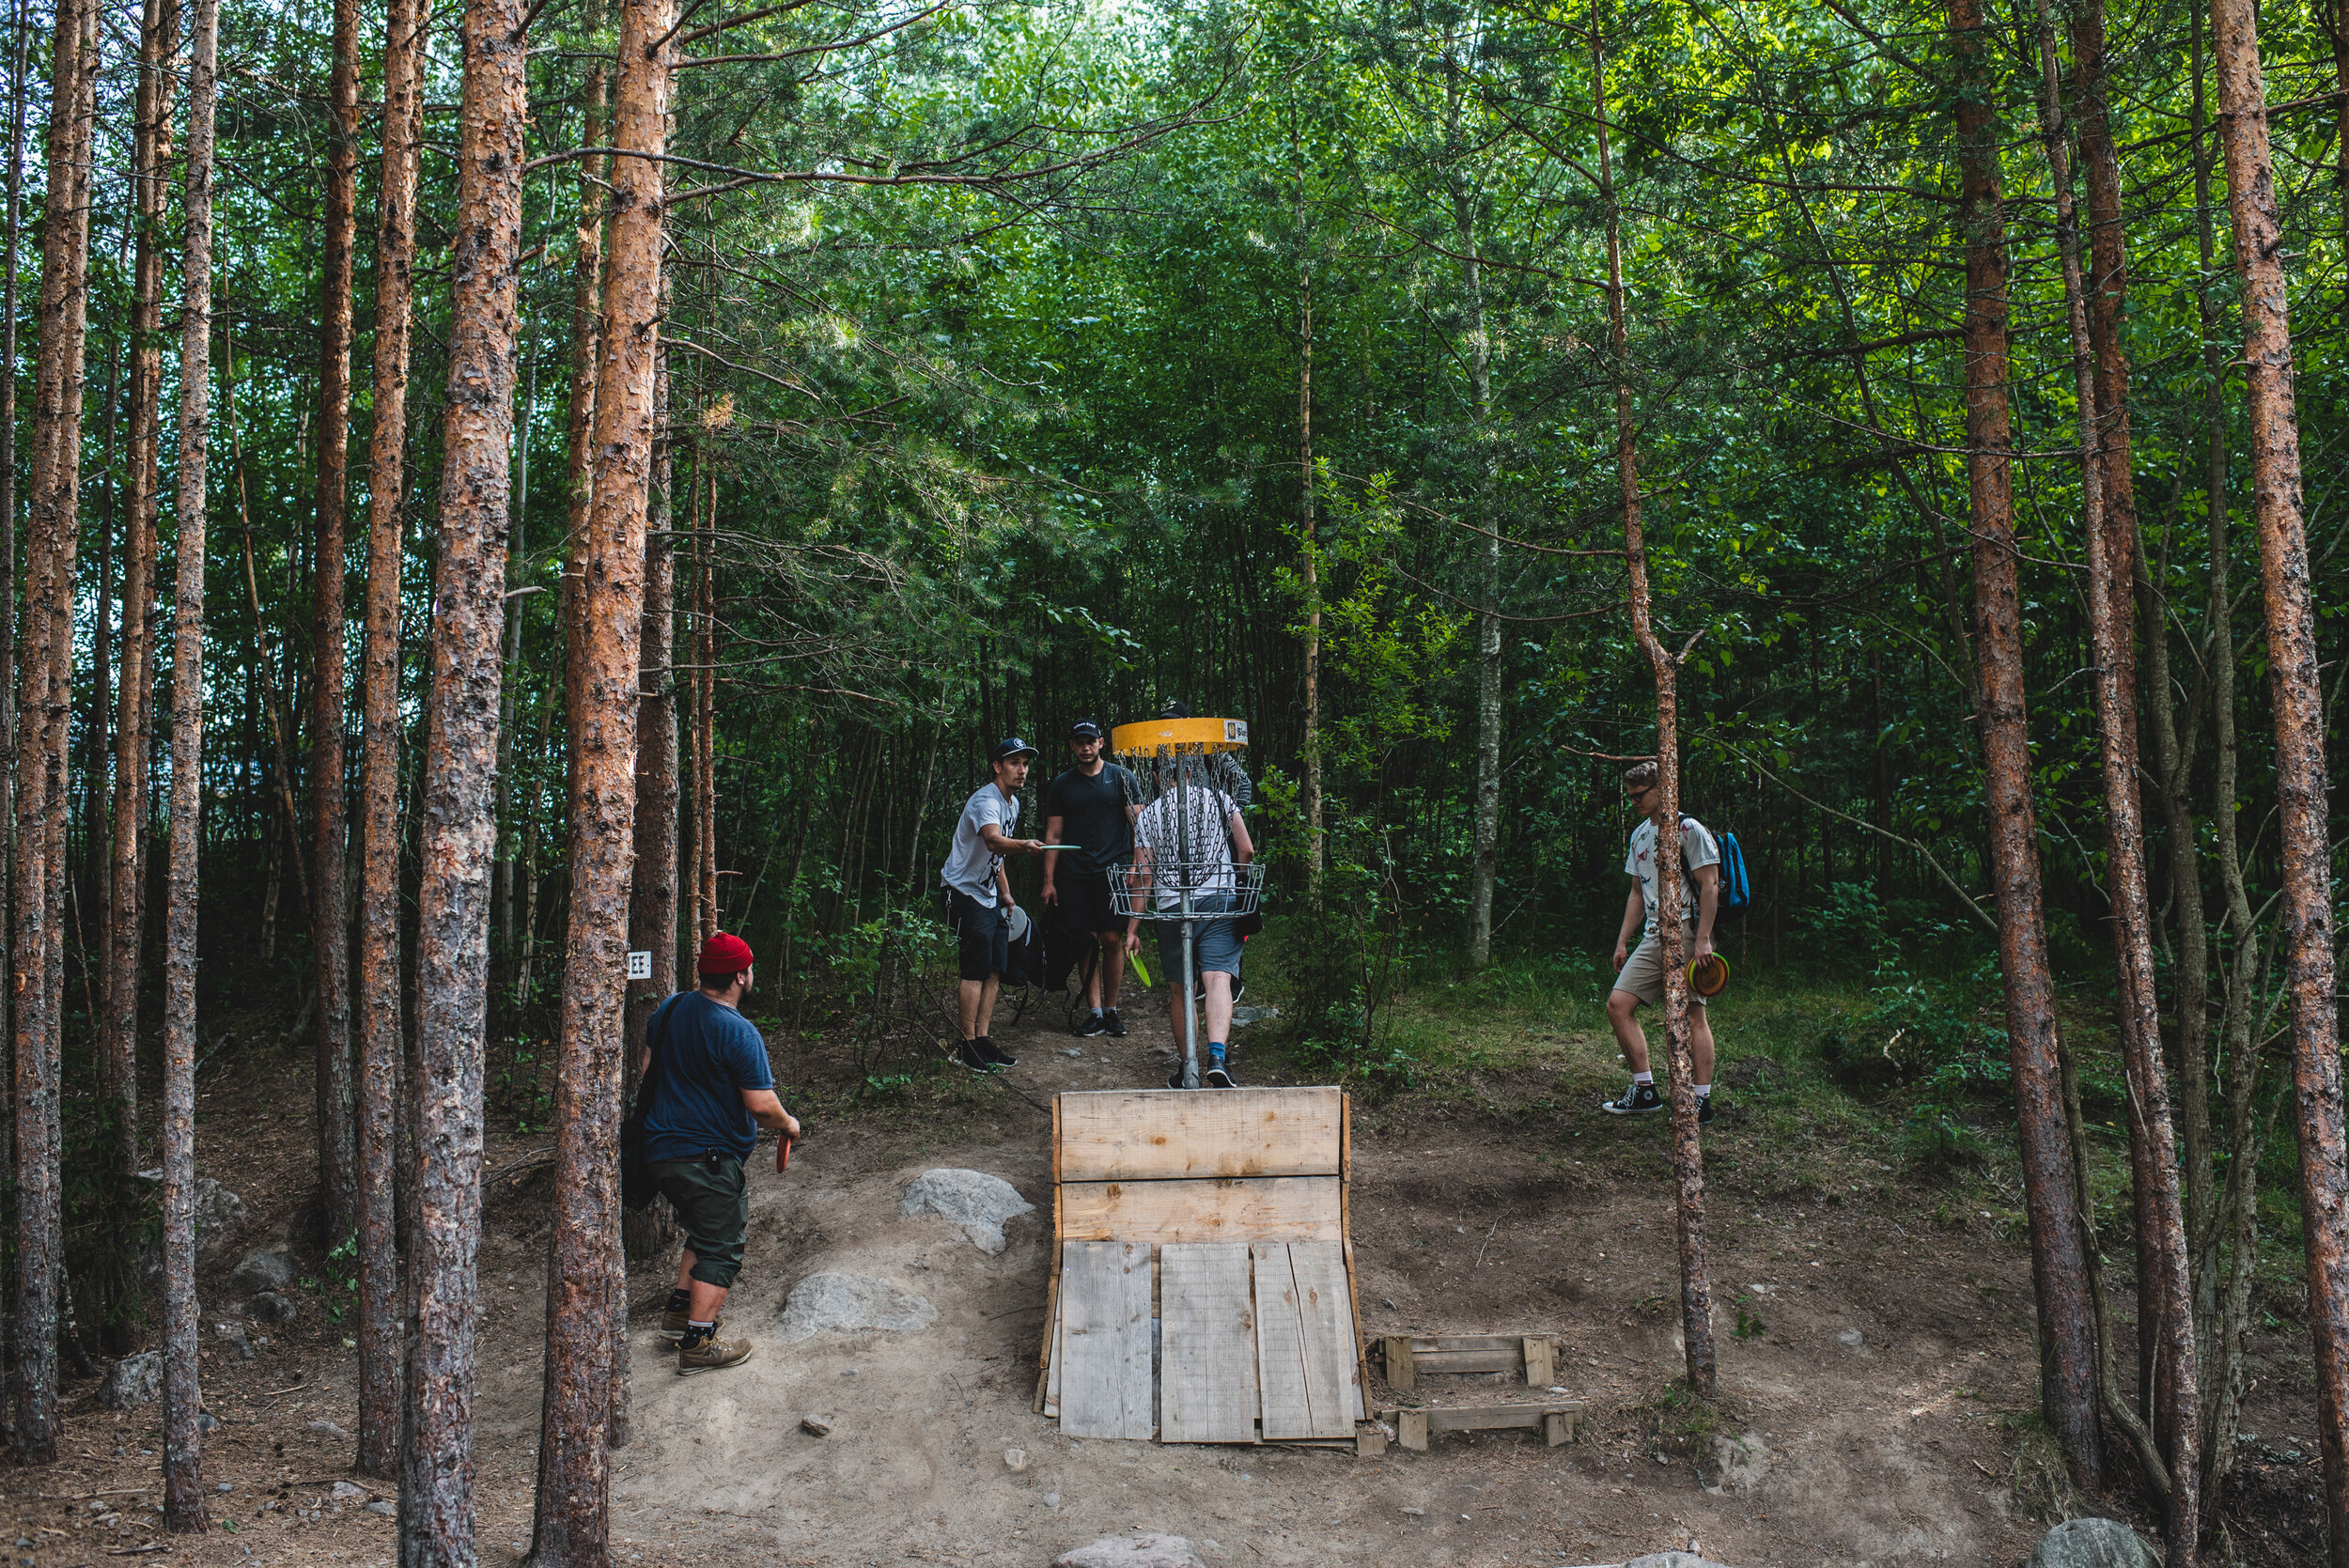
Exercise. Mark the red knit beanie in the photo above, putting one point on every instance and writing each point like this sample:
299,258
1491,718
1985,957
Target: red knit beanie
723,953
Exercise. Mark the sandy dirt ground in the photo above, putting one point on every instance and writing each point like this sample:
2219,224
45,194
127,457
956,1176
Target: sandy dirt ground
1872,1398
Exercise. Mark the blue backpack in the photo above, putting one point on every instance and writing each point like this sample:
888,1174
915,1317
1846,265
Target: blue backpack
1736,889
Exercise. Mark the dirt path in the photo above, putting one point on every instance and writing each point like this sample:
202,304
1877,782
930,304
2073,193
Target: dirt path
1883,1348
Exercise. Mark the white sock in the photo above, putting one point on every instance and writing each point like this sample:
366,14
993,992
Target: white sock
1705,1091
1643,1077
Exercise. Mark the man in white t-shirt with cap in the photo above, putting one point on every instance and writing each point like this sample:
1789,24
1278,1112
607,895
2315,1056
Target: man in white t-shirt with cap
978,896
1641,969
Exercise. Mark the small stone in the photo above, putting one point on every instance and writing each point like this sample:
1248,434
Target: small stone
234,1333
328,1429
345,1489
1416,1513
226,1486
389,1510
1132,1552
1074,1050
134,1380
269,1268
1851,1339
815,1426
1016,1459
1051,1499
1389,1300
271,1307
205,1421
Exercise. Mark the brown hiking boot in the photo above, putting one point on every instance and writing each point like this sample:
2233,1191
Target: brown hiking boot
673,1325
711,1354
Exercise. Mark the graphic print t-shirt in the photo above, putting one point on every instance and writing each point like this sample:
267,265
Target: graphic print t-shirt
1091,813
1189,839
1697,849
970,864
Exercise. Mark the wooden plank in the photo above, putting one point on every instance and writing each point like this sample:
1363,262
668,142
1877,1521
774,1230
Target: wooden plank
1333,1375
1288,1411
1370,1442
1426,1342
1557,1426
1401,1364
1411,1430
1261,1208
1487,1418
1130,1135
1508,1360
1207,1359
1539,1372
1050,1403
1105,1340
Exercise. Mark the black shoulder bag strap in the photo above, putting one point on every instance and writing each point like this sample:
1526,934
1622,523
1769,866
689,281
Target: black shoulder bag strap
656,1031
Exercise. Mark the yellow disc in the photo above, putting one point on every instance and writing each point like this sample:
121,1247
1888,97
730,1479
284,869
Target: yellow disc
1176,736
1710,977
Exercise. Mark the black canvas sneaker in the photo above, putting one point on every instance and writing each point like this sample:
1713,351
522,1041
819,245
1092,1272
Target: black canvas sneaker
1112,1025
1705,1110
974,1056
1097,1024
1637,1100
995,1054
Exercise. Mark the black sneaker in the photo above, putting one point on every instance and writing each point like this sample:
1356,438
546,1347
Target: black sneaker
1637,1100
1112,1025
1176,1080
1092,1026
1219,1074
974,1056
1704,1109
995,1054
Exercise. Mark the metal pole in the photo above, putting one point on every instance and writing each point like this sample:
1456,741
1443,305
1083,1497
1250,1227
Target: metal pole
1190,982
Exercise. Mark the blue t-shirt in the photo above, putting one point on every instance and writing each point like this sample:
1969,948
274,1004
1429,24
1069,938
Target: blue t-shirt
709,1054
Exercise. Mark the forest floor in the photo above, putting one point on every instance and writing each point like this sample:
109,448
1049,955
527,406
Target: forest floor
1875,1362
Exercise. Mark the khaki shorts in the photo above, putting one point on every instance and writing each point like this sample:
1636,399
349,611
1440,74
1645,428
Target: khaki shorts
1643,977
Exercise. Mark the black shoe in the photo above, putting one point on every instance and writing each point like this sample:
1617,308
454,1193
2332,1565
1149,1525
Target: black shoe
995,1054
974,1056
1092,1026
1704,1109
1175,1081
1637,1100
1112,1025
1219,1074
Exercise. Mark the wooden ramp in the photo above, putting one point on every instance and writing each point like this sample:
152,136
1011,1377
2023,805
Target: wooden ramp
1202,1280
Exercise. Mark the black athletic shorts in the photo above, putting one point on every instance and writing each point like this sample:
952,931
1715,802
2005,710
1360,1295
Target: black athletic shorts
1085,903
986,933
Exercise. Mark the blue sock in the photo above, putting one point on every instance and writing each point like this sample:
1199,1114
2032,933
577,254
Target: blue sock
1215,1051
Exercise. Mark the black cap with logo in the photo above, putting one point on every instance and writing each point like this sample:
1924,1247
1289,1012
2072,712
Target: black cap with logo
1009,747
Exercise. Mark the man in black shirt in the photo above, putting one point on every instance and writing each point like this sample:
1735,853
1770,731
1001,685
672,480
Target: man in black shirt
1092,806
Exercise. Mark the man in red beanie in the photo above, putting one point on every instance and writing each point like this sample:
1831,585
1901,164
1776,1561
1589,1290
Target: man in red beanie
712,1090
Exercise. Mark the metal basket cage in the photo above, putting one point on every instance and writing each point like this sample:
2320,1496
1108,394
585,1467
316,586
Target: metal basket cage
1136,899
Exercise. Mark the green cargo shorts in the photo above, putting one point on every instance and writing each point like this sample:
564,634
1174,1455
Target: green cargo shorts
713,1204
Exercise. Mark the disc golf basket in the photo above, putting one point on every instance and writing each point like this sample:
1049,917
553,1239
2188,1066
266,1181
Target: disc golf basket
1198,882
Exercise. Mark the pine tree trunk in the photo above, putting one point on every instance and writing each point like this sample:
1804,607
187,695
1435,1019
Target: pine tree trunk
459,782
330,914
2068,1386
1478,353
706,704
2164,1292
381,1317
2297,693
45,704
1308,553
1696,1292
585,1274
118,1016
183,1451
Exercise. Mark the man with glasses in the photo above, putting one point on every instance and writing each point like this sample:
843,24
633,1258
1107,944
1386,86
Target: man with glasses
1092,806
1641,969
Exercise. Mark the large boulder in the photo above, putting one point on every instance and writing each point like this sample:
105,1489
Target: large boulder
833,1303
1132,1552
269,1268
971,1201
134,1380
2093,1544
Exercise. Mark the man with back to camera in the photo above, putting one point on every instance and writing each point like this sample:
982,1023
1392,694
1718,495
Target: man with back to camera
1223,770
713,1092
978,898
1093,806
1193,835
1640,976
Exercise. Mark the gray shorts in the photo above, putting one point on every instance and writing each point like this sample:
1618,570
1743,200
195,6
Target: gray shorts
1643,975
1215,943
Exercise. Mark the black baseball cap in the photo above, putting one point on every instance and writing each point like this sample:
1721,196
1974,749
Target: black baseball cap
1009,747
1085,729
1174,710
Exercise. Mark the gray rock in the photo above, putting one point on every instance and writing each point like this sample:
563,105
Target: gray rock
831,1303
2093,1544
973,1200
815,1426
219,1213
134,1380
1244,1015
1133,1551
1672,1560
328,1429
266,1270
234,1334
343,1491
271,1307
1741,1462
389,1510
